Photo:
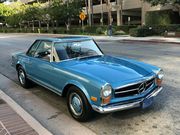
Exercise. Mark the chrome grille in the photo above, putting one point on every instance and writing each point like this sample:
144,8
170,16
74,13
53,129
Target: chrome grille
134,89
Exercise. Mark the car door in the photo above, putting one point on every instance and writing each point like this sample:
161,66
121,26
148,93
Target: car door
30,57
39,67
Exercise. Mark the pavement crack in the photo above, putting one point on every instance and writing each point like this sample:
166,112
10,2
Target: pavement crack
54,116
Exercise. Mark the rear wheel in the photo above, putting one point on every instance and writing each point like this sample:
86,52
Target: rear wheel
25,83
78,105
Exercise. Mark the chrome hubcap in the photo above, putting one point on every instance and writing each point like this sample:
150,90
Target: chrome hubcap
21,76
76,104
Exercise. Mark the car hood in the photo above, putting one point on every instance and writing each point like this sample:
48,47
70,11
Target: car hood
110,69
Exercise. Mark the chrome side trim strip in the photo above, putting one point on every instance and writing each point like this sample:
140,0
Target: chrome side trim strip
45,85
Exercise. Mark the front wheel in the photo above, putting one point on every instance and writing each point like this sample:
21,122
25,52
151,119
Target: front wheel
25,83
78,105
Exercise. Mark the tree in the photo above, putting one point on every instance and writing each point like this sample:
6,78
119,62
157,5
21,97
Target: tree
109,6
17,14
65,11
174,3
5,11
33,13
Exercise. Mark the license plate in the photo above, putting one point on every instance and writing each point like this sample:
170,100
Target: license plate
147,102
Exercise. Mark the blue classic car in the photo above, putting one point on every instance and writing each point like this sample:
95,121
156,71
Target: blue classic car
75,67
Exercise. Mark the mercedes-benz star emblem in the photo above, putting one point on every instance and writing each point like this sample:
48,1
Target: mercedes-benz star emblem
142,88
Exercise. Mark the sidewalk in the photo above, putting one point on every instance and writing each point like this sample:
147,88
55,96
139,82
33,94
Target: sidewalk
154,39
51,117
14,120
121,39
11,123
124,38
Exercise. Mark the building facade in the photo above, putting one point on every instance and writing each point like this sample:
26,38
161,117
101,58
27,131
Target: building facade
123,12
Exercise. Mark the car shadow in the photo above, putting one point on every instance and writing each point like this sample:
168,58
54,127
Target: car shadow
60,103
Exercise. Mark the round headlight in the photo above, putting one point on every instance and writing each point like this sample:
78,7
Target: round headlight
159,78
160,74
106,91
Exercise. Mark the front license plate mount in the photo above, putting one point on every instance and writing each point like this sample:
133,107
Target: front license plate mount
147,102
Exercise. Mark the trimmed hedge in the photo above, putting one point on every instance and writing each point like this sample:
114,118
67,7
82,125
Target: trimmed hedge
144,31
95,30
125,28
141,32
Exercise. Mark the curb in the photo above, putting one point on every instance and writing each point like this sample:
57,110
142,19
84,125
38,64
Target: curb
65,125
137,41
26,116
150,41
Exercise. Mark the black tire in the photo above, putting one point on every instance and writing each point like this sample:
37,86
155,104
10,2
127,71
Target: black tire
87,111
26,82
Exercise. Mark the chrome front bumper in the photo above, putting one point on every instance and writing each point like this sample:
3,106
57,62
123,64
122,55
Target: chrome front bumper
119,107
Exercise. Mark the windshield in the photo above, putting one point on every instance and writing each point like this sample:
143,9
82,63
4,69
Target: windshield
78,49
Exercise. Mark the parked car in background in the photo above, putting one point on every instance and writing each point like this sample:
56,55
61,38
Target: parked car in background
76,68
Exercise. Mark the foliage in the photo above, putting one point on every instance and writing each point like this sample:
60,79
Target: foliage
144,31
125,28
175,3
163,2
178,30
119,32
65,11
99,30
17,13
5,10
162,18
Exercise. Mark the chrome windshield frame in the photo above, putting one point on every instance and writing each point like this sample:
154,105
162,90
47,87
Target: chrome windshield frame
77,58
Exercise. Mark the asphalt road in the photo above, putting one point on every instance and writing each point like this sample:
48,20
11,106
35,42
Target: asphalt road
162,118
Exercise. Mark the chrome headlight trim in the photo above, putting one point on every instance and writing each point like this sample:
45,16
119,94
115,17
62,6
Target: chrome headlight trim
106,90
160,74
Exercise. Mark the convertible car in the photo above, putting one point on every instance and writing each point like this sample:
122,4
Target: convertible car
76,68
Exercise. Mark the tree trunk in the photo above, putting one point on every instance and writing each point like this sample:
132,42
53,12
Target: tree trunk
33,26
67,26
39,24
108,4
86,3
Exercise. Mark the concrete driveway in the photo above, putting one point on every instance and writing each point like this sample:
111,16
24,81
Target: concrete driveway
161,118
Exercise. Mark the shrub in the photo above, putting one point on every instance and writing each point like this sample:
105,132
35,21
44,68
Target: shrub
141,32
99,30
125,28
178,30
120,32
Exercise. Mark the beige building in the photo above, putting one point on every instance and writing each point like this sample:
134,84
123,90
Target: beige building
133,11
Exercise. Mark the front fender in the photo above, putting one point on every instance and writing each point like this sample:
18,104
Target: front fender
22,64
80,86
18,59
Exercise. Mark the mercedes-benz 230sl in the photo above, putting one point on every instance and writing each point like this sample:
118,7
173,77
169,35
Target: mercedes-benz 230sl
75,67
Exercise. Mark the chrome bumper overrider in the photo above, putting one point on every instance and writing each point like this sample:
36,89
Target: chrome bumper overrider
118,107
